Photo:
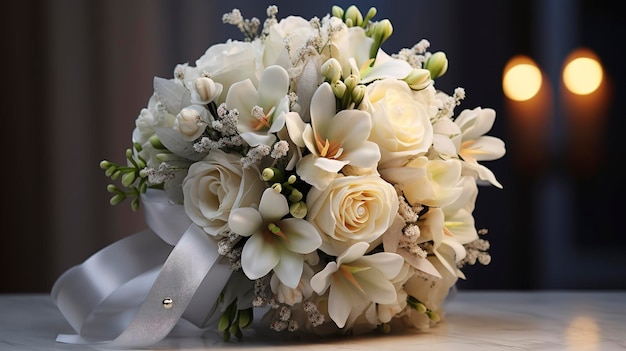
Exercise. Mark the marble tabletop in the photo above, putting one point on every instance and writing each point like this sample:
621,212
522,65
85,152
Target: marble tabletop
476,320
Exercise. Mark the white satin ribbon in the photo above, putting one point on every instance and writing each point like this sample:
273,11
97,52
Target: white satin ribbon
116,297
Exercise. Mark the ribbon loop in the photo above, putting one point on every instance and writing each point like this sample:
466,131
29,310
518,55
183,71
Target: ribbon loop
134,292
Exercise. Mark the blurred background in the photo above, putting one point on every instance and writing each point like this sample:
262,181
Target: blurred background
77,74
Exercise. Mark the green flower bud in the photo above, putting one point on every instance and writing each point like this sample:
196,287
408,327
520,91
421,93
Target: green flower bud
358,93
420,307
437,64
331,70
134,205
104,164
267,174
295,195
418,79
354,15
156,142
339,88
117,198
337,11
384,30
109,172
277,187
137,147
368,16
292,179
128,179
116,174
298,209
351,81
381,32
434,316
224,323
245,317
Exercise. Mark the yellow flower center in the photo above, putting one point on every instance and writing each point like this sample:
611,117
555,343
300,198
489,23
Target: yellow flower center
328,149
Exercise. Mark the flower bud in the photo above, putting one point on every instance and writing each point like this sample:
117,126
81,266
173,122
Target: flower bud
245,317
277,187
354,15
358,93
418,79
156,142
337,11
383,30
351,81
434,316
295,195
331,70
128,179
339,88
437,64
368,16
104,164
117,198
189,123
292,179
298,209
205,88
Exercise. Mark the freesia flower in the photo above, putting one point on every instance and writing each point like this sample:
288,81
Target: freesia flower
474,146
274,243
335,139
261,111
356,280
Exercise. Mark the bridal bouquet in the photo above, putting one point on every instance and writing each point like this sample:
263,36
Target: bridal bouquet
336,182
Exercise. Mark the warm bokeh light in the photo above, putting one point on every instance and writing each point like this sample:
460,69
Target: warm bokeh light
582,73
522,79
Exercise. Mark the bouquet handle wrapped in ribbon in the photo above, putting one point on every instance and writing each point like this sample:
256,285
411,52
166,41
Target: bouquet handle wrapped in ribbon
134,292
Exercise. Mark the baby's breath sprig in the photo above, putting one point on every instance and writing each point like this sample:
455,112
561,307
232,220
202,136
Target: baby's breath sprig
134,180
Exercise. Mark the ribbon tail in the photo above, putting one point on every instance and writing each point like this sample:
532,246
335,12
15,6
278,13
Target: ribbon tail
125,296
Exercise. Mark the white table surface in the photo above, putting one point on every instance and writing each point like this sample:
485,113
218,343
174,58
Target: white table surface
476,320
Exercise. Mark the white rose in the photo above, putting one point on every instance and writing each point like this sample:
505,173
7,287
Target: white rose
228,63
352,209
402,127
215,186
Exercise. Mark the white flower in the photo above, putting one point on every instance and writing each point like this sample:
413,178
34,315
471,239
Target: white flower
191,122
427,182
402,127
228,63
352,209
215,186
474,146
356,280
261,111
335,139
291,296
274,243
